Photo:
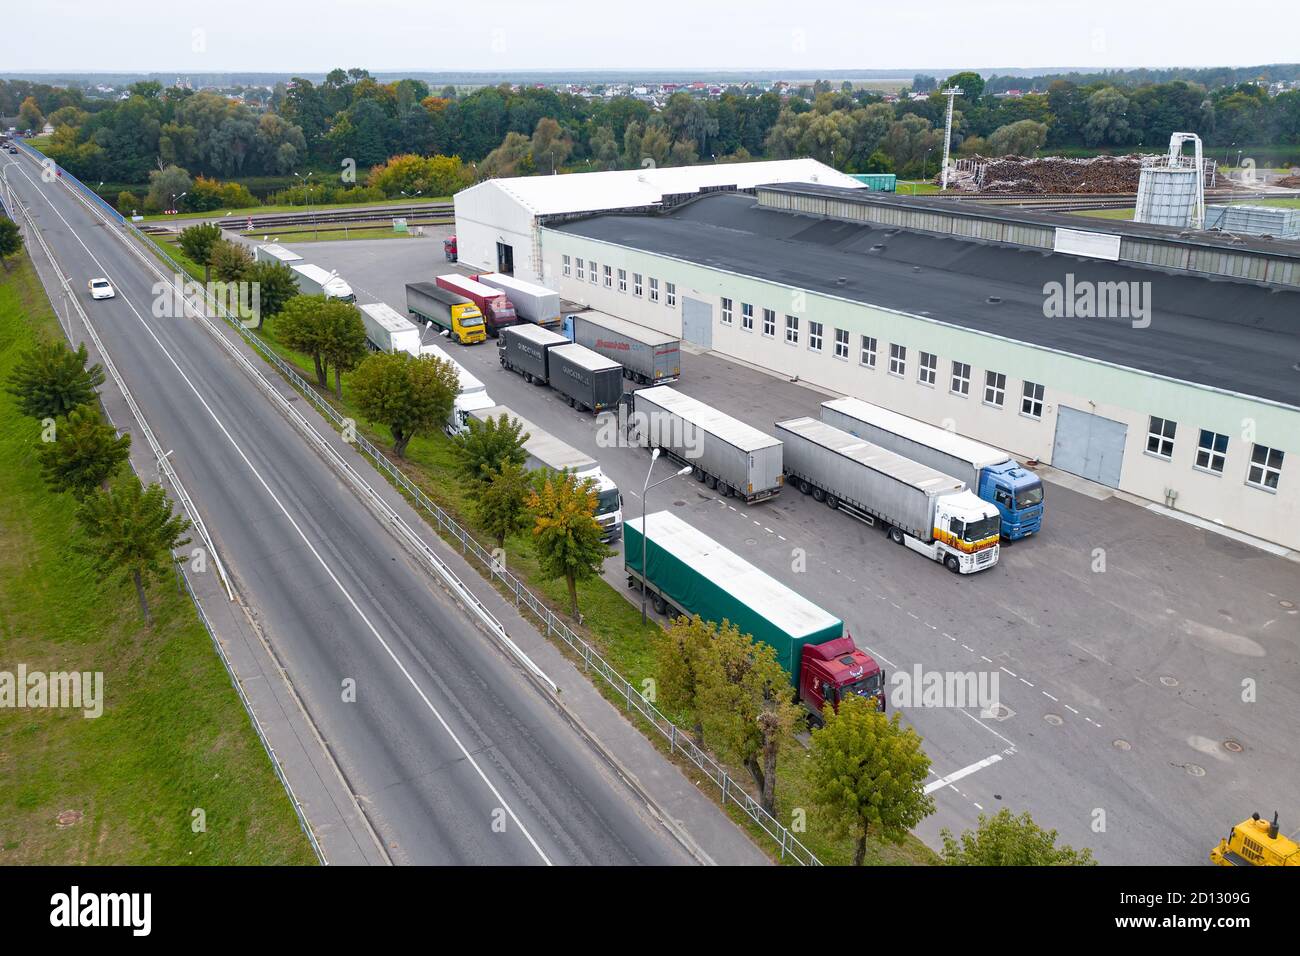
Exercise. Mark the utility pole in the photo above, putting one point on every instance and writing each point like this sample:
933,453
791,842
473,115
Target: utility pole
951,92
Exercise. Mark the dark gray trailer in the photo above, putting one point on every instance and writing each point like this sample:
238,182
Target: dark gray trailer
587,380
647,356
524,348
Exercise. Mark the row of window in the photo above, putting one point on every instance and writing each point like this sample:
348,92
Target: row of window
588,270
995,383
1264,470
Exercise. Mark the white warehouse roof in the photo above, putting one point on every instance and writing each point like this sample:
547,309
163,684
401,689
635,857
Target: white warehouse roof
622,188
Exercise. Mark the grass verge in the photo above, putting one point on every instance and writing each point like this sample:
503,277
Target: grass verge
173,737
300,207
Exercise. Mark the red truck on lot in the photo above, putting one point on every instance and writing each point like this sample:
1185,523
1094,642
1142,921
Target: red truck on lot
498,312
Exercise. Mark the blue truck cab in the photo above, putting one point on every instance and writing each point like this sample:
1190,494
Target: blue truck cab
1018,494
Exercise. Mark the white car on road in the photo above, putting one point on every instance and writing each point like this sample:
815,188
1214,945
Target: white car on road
100,289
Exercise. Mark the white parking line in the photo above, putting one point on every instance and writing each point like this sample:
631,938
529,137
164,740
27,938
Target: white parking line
963,772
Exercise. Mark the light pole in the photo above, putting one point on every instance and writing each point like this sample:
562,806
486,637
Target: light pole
306,198
645,490
176,197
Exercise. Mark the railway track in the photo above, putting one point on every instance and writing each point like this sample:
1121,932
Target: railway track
437,213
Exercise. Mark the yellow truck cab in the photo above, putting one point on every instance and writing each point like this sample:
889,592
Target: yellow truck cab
454,314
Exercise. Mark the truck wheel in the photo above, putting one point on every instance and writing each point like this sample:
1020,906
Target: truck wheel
832,502
698,472
805,487
627,374
658,602
711,482
896,535
528,377
952,564
727,491
818,494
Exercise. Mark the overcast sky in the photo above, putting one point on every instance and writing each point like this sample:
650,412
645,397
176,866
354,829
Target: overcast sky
811,39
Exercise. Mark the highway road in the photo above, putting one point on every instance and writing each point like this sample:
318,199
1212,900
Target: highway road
454,756
1150,705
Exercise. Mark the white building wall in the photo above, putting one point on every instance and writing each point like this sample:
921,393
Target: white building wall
1124,395
485,215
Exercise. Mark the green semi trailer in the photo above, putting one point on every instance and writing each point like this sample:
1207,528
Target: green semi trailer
690,573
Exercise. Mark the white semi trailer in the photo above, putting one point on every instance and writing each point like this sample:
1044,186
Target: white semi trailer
922,509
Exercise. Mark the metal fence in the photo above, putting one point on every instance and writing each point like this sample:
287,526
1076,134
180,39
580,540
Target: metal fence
679,741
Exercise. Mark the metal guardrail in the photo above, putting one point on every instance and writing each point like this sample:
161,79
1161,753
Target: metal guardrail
178,489
679,741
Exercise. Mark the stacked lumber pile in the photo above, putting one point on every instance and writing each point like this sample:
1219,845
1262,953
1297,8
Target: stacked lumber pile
1051,175
1290,182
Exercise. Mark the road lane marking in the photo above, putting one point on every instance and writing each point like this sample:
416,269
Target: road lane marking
339,584
953,777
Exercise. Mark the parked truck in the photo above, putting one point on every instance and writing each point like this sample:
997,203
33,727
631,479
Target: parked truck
687,572
993,475
590,382
495,306
388,331
313,280
648,357
725,454
524,349
471,396
533,303
270,252
925,510
449,311
546,451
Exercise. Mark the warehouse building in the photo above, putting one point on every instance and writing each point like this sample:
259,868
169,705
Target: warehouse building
1106,350
498,221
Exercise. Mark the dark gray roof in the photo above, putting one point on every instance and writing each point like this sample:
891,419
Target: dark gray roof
1231,335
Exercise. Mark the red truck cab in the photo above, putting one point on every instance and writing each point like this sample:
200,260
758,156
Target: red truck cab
829,671
449,248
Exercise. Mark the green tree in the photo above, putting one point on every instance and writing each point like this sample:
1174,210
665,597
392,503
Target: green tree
165,185
411,396
275,287
502,501
343,342
230,261
550,147
1005,840
51,380
485,447
85,453
565,531
131,532
679,653
198,241
29,115
11,240
746,705
868,774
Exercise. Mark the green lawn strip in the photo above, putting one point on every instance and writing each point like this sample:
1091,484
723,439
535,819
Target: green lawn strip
327,235
173,736
1106,213
299,207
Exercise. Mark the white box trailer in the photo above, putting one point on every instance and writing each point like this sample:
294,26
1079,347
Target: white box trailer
724,453
931,513
546,451
313,280
471,397
270,252
648,357
535,303
387,330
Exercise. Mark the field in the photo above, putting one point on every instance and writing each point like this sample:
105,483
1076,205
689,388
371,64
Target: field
173,739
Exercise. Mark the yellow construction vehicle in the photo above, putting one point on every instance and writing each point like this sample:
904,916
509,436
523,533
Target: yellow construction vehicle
1254,842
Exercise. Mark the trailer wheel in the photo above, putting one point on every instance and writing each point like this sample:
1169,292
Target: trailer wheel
952,564
832,502
818,494
657,600
727,491
805,487
711,482
627,374
528,377
896,535
698,472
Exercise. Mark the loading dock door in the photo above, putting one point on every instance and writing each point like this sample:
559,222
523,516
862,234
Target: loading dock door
1089,446
697,322
505,259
